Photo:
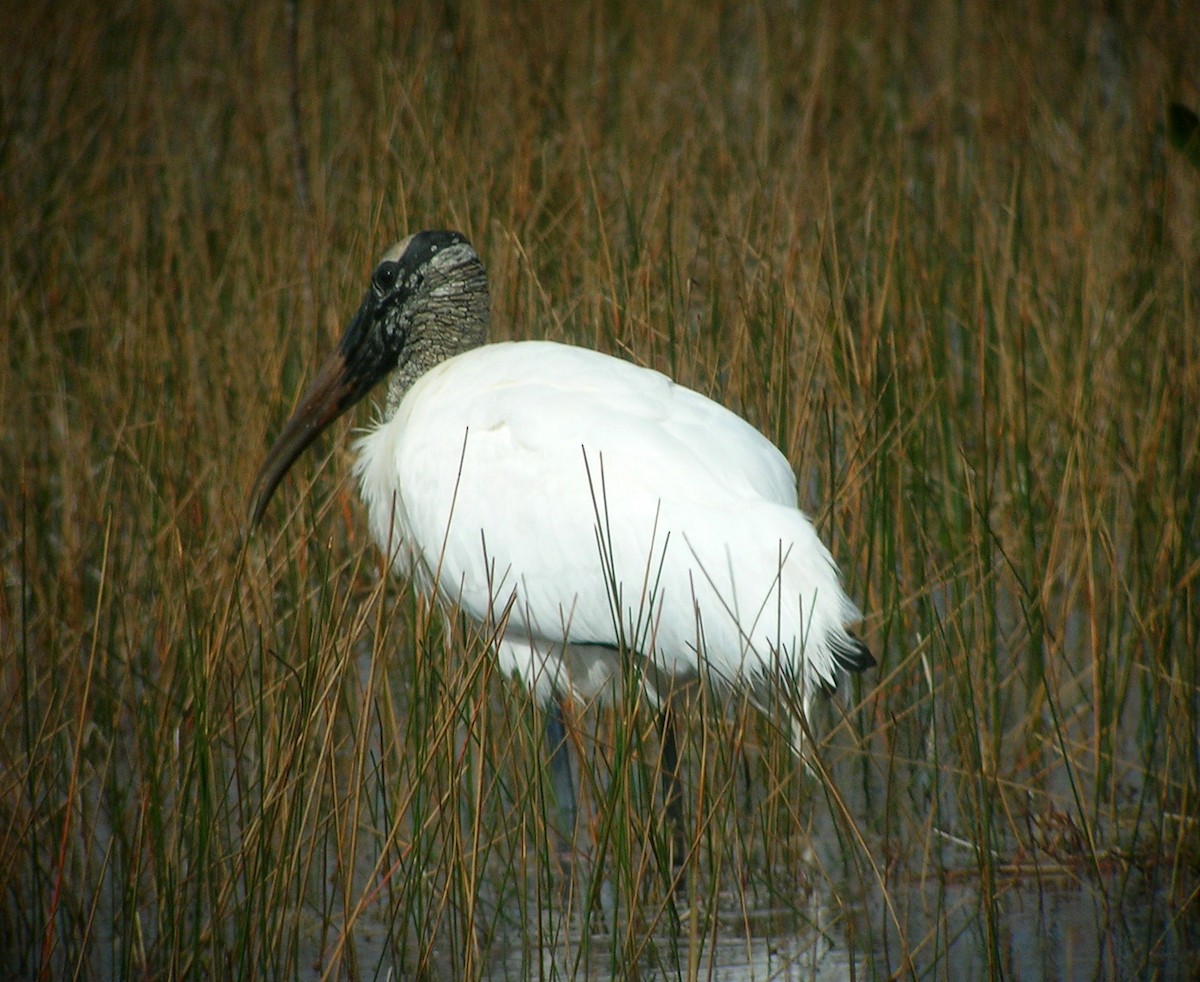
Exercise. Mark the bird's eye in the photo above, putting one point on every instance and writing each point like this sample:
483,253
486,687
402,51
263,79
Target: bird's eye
385,276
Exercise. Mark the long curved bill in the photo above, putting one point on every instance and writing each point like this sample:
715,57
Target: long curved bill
324,401
348,374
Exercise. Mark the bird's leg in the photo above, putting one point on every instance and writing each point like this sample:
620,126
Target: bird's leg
672,795
576,869
562,783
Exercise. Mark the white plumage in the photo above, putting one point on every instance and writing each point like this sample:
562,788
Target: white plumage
527,477
590,509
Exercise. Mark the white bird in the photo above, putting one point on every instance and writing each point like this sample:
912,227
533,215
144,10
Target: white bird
584,508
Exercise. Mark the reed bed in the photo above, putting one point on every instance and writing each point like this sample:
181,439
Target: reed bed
944,255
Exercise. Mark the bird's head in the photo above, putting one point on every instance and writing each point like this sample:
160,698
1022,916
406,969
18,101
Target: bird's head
427,302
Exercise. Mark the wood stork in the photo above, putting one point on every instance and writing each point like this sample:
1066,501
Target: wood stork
587,508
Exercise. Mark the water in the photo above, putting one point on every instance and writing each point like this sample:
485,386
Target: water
1121,926
1053,910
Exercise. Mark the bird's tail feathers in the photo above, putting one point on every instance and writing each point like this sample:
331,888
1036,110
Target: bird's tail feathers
849,652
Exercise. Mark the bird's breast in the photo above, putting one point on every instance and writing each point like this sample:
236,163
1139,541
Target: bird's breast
589,501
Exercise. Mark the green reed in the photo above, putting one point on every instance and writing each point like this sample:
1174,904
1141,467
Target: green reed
947,264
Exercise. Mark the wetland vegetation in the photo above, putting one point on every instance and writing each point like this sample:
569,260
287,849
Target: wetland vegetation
944,255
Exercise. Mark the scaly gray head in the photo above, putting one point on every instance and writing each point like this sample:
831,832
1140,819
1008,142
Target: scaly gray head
428,301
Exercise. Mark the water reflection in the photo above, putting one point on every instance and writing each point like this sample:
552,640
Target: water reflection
1051,917
1039,930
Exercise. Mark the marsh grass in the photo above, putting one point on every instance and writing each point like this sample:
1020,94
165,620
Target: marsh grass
946,260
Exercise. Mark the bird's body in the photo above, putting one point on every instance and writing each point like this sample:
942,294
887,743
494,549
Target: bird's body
589,506
591,514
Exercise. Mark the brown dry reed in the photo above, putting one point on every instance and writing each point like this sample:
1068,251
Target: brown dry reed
942,254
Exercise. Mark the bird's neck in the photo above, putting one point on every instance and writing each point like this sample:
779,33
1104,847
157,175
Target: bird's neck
402,380
438,336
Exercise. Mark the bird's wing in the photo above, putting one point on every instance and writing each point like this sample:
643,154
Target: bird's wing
593,502
567,395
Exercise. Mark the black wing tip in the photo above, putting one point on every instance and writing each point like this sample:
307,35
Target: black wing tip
850,653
